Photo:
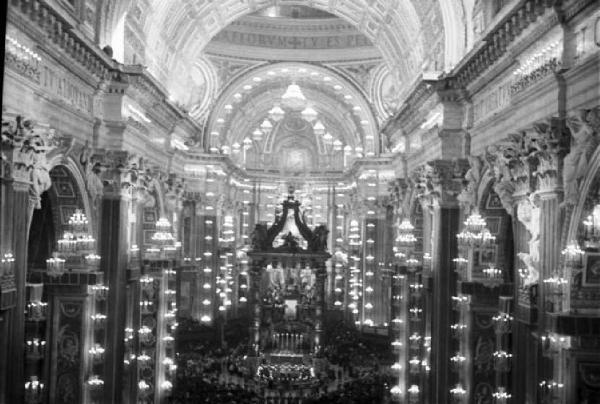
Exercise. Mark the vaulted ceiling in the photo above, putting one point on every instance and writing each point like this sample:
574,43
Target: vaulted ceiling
371,52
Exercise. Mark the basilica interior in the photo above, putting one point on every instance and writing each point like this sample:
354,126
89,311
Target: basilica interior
300,202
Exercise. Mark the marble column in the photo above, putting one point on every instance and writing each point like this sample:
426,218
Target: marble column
255,304
446,224
321,278
24,176
22,205
113,246
549,247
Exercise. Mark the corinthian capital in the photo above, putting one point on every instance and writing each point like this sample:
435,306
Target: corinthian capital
119,172
509,163
547,143
25,148
439,182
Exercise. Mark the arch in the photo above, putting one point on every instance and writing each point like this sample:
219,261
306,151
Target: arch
485,185
160,196
499,223
454,17
390,25
577,210
74,170
340,101
66,194
112,18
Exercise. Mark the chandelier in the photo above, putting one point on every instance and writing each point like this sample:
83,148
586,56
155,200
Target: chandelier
76,239
163,235
163,242
293,98
55,266
475,232
405,237
76,246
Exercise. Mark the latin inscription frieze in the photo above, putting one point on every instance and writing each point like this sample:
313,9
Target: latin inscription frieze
60,84
293,42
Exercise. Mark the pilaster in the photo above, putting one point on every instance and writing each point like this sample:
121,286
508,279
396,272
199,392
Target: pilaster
113,248
24,177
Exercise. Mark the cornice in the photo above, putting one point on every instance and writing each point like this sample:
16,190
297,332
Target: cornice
494,44
311,26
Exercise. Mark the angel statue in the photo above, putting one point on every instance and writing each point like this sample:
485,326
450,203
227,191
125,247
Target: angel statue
319,239
576,162
259,237
533,275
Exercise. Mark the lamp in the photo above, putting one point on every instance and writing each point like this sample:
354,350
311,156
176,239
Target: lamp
33,390
475,232
55,266
266,126
319,128
309,114
257,135
276,113
293,98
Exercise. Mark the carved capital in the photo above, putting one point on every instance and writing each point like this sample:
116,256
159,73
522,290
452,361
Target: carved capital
439,182
547,143
119,173
508,163
25,148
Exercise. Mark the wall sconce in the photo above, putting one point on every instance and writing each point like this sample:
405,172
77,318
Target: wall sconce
99,320
100,292
35,348
573,255
55,266
97,352
145,335
501,396
36,311
502,323
502,361
34,390
457,362
458,394
144,360
7,265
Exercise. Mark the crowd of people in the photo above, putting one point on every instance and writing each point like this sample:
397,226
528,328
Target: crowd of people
345,347
368,389
354,372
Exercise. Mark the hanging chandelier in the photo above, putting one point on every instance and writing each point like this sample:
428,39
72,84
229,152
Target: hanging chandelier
405,237
475,232
163,235
76,239
293,98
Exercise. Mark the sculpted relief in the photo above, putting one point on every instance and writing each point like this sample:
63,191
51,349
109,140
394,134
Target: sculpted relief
584,126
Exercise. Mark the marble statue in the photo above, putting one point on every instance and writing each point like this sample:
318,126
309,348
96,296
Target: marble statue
92,171
528,213
576,162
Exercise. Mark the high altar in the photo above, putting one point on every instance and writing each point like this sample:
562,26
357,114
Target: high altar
287,296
